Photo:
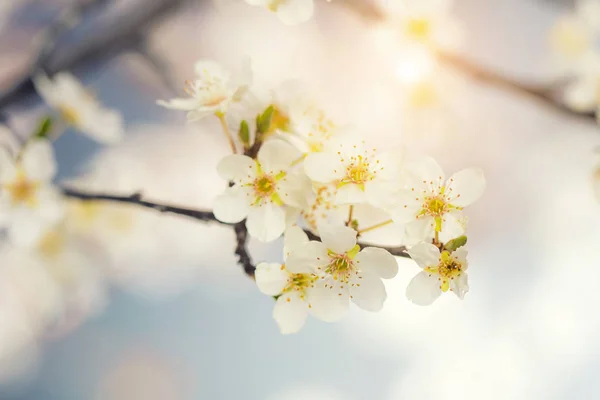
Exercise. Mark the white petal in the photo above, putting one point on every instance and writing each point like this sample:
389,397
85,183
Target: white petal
294,189
379,193
406,207
324,167
452,226
38,160
271,278
425,255
232,206
581,95
326,302
277,155
293,12
369,292
266,222
427,169
209,68
465,187
290,313
308,258
184,104
423,289
460,285
460,255
202,112
293,238
350,193
337,238
420,229
105,127
7,166
237,168
51,204
26,228
379,261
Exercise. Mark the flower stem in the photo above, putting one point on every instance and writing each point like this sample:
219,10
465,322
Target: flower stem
350,213
226,131
376,226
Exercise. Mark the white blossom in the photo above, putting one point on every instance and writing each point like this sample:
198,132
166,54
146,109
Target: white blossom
79,108
29,203
213,91
295,290
441,272
261,190
582,94
361,174
344,270
290,12
431,205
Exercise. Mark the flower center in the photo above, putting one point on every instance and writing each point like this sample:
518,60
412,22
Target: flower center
418,28
264,186
447,269
341,266
23,191
273,5
299,283
69,115
358,172
435,206
423,94
279,122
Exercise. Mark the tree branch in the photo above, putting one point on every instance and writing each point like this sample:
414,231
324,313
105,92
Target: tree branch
241,233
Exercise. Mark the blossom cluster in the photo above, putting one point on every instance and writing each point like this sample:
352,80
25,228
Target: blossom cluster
295,172
574,40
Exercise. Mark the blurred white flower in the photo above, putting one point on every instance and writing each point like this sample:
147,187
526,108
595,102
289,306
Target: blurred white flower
431,205
362,175
582,94
294,290
261,190
29,203
290,12
213,91
441,271
426,23
79,108
345,272
574,36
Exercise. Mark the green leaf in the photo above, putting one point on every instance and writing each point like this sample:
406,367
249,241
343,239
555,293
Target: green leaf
454,244
44,128
263,121
244,133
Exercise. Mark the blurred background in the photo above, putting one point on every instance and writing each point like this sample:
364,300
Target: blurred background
180,320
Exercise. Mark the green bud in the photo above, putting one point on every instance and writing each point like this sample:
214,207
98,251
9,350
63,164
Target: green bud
263,121
454,244
245,133
44,128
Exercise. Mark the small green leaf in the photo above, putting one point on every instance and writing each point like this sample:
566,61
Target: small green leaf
263,121
44,128
454,244
244,134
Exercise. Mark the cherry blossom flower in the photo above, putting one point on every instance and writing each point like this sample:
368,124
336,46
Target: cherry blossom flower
79,108
431,205
574,37
29,203
214,90
441,272
261,190
344,270
294,290
290,12
426,23
362,175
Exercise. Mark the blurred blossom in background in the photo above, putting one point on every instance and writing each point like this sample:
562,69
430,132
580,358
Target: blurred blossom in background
126,303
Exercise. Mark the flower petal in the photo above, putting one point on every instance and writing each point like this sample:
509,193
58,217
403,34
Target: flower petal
294,12
427,171
308,258
293,238
324,167
290,313
425,255
423,289
452,226
369,292
266,222
460,285
237,168
466,186
337,238
406,207
184,104
350,193
328,300
7,166
38,160
379,261
271,278
276,156
420,230
232,206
